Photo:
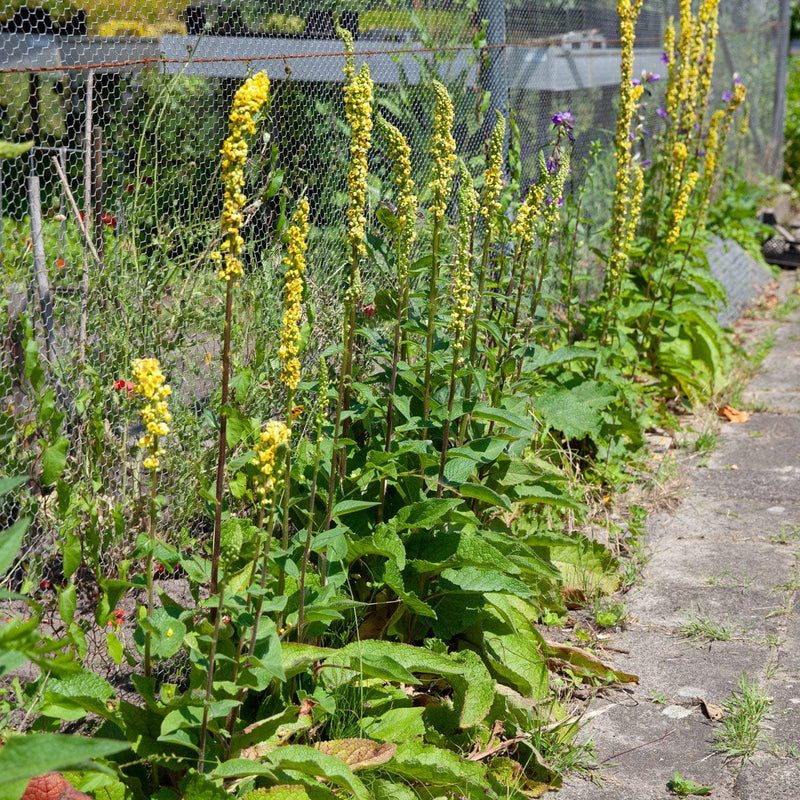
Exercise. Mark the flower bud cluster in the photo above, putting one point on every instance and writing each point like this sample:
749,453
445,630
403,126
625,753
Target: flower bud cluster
679,208
295,263
490,198
150,383
247,102
443,149
630,93
267,458
358,111
400,157
462,277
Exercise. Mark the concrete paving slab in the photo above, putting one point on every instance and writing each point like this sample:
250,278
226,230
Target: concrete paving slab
729,553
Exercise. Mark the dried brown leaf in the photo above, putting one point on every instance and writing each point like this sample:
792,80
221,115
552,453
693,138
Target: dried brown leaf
358,753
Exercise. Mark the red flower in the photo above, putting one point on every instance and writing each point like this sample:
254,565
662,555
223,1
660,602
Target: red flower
60,263
128,386
119,618
130,188
45,584
110,220
369,310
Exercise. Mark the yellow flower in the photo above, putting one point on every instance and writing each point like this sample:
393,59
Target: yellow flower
621,210
149,382
400,157
295,263
247,102
490,199
358,111
443,149
680,207
462,277
275,435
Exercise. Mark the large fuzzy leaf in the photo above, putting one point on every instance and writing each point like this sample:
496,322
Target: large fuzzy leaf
422,762
25,757
313,762
357,753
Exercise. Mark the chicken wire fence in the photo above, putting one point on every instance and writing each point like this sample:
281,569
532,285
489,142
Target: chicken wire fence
126,103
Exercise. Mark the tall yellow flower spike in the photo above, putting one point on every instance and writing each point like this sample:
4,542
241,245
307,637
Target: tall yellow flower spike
443,150
490,198
628,11
267,458
400,157
680,207
462,275
358,111
247,102
149,382
295,263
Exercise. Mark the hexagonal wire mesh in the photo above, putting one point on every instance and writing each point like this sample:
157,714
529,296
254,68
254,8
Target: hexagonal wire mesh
126,104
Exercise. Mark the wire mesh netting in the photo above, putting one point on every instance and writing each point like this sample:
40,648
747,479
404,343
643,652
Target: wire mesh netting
126,104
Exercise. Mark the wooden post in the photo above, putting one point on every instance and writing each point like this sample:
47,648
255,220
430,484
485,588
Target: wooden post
87,214
97,190
39,263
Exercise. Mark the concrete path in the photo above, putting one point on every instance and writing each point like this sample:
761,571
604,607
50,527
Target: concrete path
730,555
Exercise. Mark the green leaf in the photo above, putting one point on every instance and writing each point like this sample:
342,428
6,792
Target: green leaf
486,495
396,725
350,506
71,554
684,787
387,219
389,790
14,149
512,645
296,658
10,541
562,355
458,469
242,768
422,762
576,412
481,450
474,690
67,603
25,757
477,579
503,417
115,647
9,484
166,634
586,664
425,513
312,762
194,786
54,461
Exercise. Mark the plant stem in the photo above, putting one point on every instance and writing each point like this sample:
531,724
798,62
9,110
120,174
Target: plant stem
306,552
233,715
432,306
446,427
287,494
222,447
151,531
473,336
212,654
396,352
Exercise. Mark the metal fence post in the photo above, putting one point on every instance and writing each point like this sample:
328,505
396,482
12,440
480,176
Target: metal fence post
494,77
782,65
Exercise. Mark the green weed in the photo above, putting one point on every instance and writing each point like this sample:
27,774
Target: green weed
702,629
746,710
683,787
